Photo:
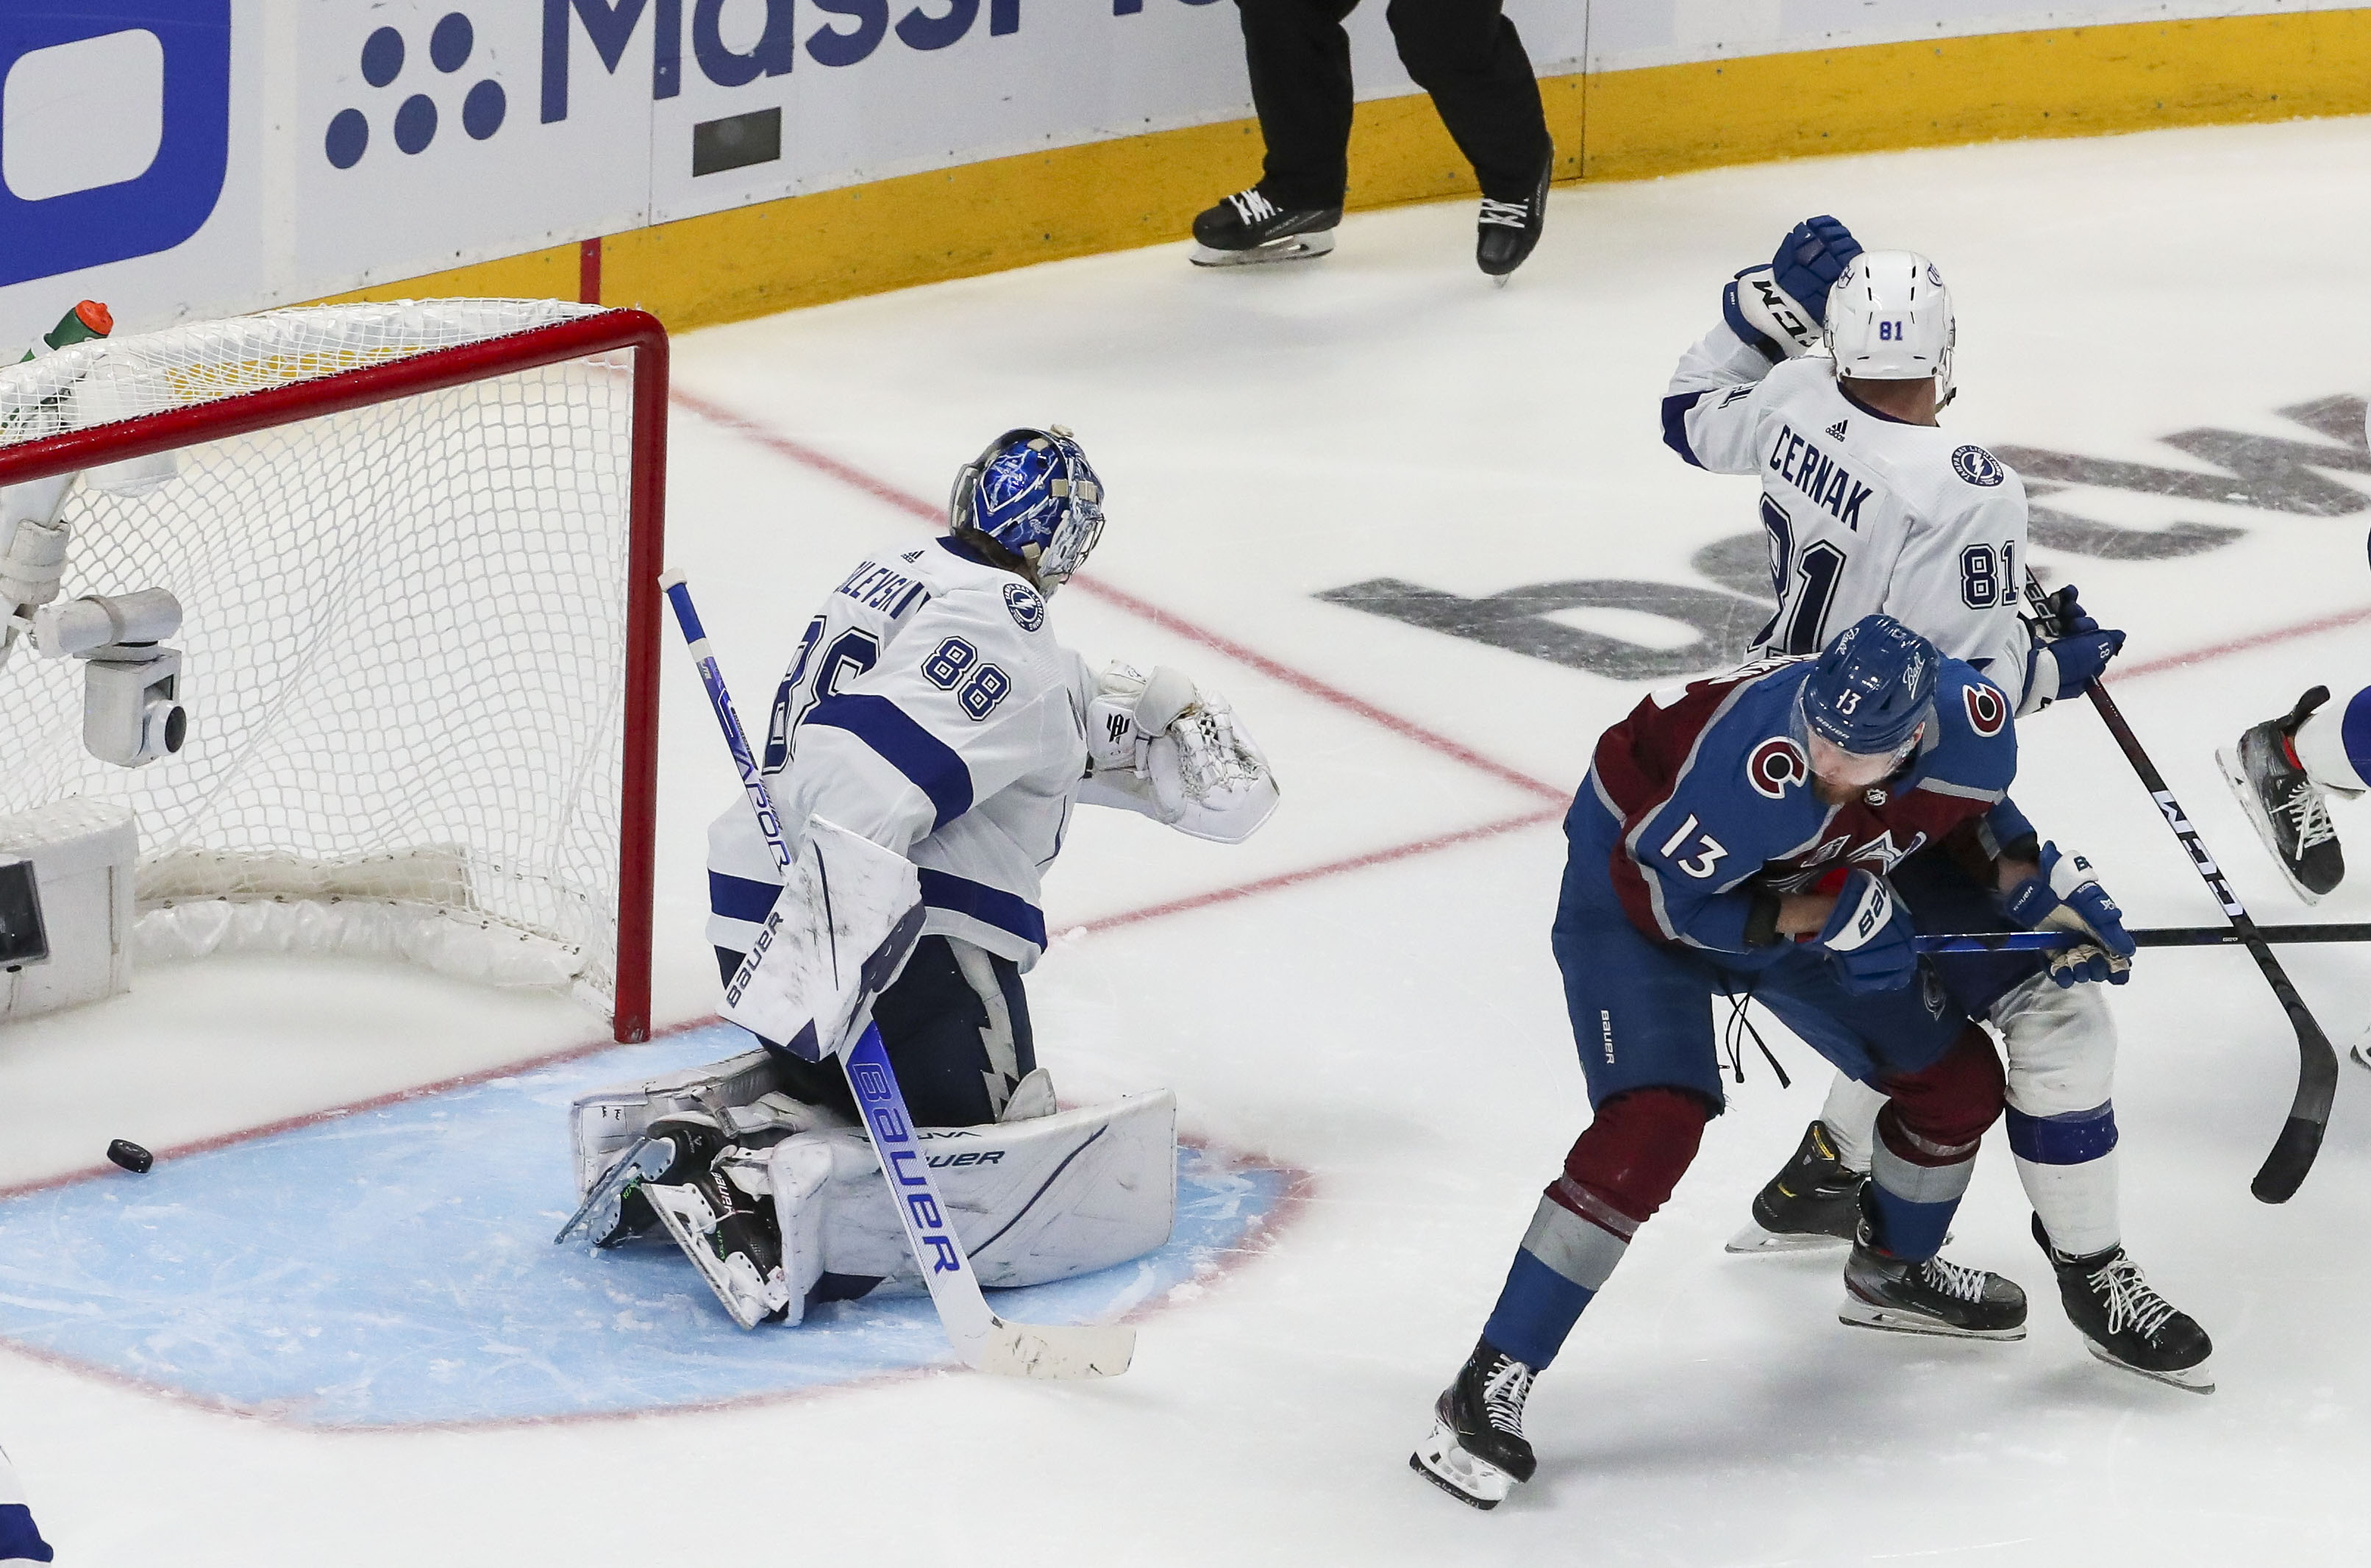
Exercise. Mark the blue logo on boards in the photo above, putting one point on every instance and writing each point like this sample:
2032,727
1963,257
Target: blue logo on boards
450,44
1028,609
163,67
1977,466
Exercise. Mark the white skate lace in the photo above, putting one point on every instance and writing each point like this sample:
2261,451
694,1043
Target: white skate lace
2130,1303
1251,207
1509,214
1503,1394
1952,1279
2310,816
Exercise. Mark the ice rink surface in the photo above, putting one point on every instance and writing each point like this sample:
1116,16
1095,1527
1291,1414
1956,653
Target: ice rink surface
1378,1007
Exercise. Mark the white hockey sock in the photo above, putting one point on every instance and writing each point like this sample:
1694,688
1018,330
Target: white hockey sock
2320,745
2076,1202
1851,1117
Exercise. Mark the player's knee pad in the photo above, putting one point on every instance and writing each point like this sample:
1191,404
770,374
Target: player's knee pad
2061,1047
1631,1156
1939,1113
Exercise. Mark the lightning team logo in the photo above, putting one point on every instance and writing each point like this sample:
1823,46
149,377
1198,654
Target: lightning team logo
1775,765
1977,467
1987,709
1028,609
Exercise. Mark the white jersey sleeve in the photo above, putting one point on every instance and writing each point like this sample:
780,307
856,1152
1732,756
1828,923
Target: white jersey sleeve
1708,417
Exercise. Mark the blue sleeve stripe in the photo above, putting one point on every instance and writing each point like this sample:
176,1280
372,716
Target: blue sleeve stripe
929,762
1675,424
990,906
20,1539
739,898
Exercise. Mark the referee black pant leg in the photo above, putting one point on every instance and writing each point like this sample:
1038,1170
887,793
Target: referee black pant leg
1467,54
1299,61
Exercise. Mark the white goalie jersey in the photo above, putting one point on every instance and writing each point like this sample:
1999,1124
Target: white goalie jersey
1866,513
931,710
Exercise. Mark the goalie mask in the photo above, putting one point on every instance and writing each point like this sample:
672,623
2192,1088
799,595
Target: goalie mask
1033,493
1890,320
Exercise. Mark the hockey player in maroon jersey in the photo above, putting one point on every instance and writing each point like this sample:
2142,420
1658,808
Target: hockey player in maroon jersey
1738,835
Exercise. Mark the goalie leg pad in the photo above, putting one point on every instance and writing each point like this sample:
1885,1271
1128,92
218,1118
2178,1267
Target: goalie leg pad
1035,1201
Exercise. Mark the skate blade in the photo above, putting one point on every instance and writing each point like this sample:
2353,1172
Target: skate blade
1439,1459
689,1219
1858,1314
2227,758
1753,1238
2198,1379
1291,247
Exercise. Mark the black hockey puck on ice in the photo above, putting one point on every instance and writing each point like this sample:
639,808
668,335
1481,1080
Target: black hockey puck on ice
131,1156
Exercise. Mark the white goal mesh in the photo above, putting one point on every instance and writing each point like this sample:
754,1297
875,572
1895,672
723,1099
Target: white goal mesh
404,647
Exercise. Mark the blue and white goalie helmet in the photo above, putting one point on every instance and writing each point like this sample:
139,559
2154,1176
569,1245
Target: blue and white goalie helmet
1872,688
1032,493
1890,320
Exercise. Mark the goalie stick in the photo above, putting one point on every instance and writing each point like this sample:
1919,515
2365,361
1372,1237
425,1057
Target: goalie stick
2300,1139
985,1342
2147,936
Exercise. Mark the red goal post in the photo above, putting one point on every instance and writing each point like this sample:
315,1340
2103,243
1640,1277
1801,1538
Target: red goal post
491,434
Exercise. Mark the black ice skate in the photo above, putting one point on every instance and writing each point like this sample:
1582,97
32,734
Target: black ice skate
1928,1298
1813,1201
1476,1450
2125,1323
1247,227
2290,812
1508,231
729,1235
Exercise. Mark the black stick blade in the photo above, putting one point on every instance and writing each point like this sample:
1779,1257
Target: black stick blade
2292,1157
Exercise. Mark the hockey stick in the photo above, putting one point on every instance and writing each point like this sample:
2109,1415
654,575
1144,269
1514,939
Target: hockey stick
2300,1140
2148,936
985,1342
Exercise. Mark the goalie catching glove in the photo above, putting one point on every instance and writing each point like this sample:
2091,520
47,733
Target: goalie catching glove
1159,746
2064,894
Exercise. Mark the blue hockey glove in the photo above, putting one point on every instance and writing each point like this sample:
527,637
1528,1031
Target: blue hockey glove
2065,894
1810,259
1869,938
2081,646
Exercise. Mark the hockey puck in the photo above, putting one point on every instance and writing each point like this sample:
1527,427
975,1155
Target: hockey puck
131,1156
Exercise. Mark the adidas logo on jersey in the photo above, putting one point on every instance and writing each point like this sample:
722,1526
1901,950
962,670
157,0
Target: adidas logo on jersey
1837,431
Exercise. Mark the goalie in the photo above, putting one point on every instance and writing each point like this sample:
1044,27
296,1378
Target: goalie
930,709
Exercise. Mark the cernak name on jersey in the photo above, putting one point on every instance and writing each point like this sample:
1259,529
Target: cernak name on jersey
1802,464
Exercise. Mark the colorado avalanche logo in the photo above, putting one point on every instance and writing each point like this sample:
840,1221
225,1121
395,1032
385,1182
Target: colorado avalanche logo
1977,466
1028,609
1987,709
1775,765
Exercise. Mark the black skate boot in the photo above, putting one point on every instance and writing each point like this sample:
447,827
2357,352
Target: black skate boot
1813,1201
2289,810
1508,231
2125,1323
1476,1450
1247,227
1931,1296
728,1234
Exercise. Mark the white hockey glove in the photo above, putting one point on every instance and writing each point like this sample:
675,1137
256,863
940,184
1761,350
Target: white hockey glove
1767,315
1159,746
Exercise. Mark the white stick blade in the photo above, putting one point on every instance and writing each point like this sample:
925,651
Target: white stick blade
1040,1350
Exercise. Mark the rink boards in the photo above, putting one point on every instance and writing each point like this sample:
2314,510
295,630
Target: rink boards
392,1266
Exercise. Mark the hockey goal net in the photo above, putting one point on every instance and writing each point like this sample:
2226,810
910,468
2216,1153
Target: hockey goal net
416,545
